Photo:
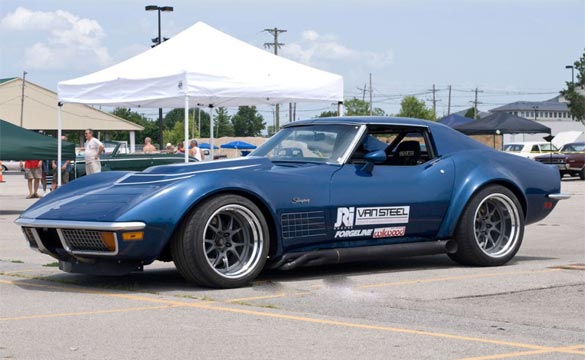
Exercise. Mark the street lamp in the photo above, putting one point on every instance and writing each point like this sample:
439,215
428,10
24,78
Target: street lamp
572,73
156,42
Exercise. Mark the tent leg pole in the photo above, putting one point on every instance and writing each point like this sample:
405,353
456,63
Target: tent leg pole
340,109
211,131
186,128
59,132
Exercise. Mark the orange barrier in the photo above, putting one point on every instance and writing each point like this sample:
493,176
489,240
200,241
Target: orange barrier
1,168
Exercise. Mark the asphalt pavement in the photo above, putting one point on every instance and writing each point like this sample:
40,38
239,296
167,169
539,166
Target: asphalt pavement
411,308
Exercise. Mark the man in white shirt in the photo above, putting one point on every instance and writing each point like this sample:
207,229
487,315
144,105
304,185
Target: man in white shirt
93,149
194,150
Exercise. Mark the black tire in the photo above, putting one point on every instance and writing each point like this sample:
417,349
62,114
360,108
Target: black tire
491,228
582,174
4,168
223,243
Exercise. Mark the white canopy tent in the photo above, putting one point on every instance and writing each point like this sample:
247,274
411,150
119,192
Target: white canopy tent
204,67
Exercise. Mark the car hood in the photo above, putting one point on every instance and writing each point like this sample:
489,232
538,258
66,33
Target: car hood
107,196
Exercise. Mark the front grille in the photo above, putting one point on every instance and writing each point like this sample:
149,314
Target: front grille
84,240
303,224
28,233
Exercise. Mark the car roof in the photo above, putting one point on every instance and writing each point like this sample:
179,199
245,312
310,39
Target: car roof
359,120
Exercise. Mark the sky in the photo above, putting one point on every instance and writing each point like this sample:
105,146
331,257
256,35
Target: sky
510,50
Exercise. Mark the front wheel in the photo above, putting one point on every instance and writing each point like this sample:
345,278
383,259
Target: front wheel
223,243
491,228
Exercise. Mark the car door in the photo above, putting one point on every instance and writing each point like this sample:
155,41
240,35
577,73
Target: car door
394,200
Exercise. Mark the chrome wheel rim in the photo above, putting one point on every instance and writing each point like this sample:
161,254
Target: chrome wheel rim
497,225
233,240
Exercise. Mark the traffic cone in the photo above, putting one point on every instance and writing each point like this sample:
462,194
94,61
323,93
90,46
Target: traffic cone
1,168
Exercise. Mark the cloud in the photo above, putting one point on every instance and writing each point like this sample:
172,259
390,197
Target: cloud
70,41
314,48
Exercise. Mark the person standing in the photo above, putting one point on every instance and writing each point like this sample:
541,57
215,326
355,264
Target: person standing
33,171
93,149
148,147
194,150
64,167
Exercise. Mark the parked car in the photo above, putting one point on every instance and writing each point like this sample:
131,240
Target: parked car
11,165
320,191
119,158
530,149
570,160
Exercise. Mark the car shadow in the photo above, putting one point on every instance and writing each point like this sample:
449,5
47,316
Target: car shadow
166,279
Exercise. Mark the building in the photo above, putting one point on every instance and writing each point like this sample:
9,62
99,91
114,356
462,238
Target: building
34,107
553,113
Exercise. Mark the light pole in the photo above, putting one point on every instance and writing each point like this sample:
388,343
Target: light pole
572,73
156,42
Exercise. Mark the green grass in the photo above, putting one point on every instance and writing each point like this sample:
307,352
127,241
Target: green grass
53,264
17,261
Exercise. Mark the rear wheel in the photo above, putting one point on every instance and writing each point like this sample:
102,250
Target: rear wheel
582,174
491,228
223,243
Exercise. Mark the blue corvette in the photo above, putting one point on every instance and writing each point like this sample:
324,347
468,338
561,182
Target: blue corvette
319,191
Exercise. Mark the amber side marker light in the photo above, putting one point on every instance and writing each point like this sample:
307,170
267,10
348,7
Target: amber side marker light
109,240
133,236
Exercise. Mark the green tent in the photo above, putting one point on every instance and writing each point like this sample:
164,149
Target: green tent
17,143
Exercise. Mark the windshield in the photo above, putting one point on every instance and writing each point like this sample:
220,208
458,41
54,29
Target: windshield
309,143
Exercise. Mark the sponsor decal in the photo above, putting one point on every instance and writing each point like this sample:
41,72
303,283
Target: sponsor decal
345,217
389,232
353,233
348,217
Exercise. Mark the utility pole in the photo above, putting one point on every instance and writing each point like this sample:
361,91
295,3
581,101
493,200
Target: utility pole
434,103
449,105
22,97
275,45
476,115
371,95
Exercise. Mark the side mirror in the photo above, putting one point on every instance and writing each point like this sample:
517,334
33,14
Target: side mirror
373,157
376,157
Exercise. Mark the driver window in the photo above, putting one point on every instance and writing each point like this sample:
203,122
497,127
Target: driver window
403,146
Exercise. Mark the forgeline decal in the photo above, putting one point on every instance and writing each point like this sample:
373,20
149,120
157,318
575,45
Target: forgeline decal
348,217
389,232
353,233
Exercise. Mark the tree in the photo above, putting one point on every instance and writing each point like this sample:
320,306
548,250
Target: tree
176,134
247,122
327,114
172,117
575,92
204,115
356,106
413,108
150,127
223,123
470,113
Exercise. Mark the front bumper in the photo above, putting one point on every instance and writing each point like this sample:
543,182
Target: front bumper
66,239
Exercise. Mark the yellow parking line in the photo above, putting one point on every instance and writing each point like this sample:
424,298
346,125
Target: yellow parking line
212,306
42,316
451,278
566,349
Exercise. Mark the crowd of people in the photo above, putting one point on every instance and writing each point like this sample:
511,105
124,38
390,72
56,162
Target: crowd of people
36,171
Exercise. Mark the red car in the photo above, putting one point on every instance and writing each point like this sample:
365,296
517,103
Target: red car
570,160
